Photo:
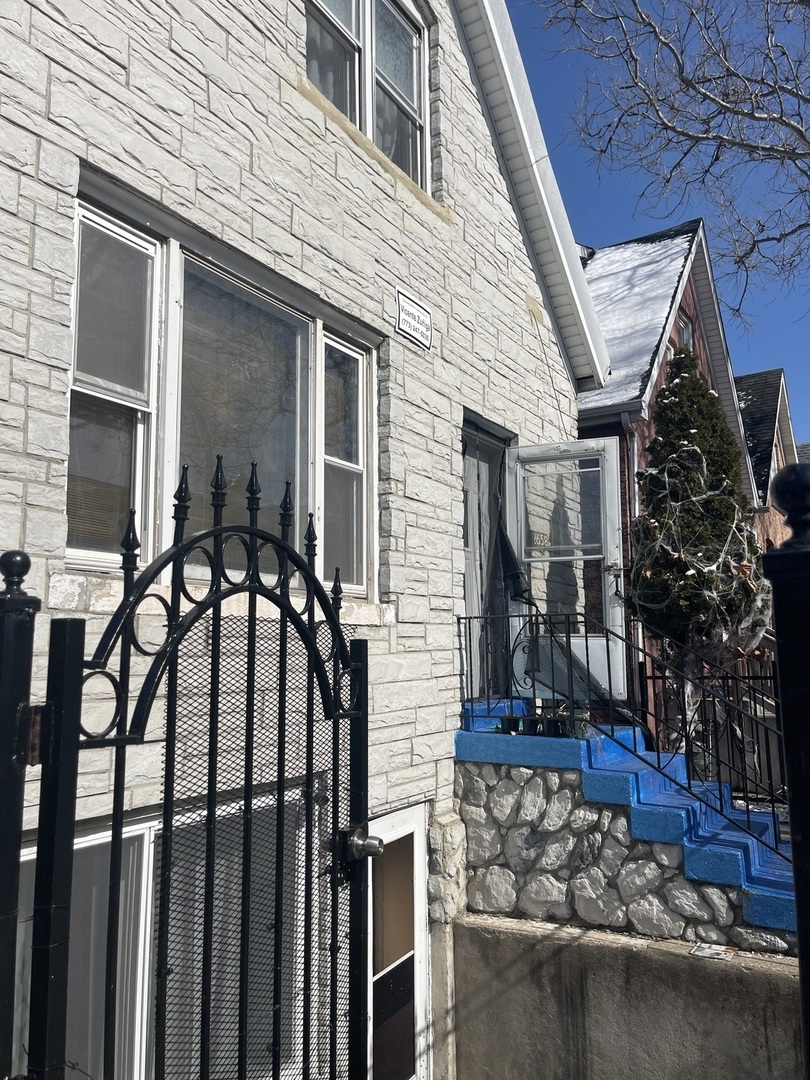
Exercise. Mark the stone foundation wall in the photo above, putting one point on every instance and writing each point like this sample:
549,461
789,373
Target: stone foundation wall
536,849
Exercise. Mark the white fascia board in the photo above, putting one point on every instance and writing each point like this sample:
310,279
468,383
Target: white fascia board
698,268
491,39
785,425
719,358
666,333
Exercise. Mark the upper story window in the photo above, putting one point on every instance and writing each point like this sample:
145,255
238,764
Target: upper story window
368,58
686,332
177,360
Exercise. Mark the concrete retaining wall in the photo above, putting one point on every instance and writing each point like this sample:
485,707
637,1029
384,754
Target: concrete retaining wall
541,1002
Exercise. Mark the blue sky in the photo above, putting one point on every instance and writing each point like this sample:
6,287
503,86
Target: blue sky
603,210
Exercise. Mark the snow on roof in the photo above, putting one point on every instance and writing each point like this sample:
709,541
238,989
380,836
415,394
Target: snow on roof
633,286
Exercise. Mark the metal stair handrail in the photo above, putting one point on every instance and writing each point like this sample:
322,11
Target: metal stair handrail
553,674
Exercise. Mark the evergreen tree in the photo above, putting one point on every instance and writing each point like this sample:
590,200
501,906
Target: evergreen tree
696,574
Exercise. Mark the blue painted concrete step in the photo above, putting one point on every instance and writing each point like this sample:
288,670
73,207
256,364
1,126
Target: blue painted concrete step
715,850
616,769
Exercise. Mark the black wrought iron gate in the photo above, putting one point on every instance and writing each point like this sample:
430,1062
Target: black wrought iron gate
235,946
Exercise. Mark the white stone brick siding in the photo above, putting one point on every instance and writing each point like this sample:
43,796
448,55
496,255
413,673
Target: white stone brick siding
203,106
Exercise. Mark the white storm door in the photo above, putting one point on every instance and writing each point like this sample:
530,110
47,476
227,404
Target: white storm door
563,514
398,948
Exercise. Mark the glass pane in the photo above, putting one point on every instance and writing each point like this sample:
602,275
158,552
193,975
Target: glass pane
341,410
563,587
88,937
394,1035
99,491
563,502
245,395
331,65
393,903
345,11
113,318
396,134
343,524
397,54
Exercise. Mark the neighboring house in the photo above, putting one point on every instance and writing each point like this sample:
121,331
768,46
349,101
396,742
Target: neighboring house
765,412
324,237
653,295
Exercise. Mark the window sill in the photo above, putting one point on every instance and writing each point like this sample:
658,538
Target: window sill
316,98
88,562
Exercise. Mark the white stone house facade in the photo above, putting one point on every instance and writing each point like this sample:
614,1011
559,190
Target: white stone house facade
176,158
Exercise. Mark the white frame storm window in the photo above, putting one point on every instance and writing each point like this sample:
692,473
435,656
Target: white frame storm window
563,513
116,320
686,332
368,58
222,367
136,960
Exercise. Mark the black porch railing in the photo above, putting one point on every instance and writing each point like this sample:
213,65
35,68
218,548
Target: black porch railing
561,675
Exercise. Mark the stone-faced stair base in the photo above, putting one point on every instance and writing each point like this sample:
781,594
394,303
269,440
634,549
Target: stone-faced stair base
581,830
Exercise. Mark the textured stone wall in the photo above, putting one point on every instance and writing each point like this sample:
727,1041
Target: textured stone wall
536,849
202,107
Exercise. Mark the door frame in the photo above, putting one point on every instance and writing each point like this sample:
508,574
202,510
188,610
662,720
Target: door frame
389,827
607,449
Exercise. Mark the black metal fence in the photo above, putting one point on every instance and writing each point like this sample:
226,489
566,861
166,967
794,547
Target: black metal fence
226,680
558,675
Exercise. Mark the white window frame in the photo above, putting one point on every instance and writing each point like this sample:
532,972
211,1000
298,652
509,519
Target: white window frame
144,443
686,331
148,831
159,419
322,339
363,44
149,869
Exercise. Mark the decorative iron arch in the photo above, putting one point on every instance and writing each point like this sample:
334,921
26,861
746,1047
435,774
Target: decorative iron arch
258,954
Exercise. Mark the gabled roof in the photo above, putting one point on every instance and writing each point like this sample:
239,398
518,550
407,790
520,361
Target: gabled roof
508,99
765,414
637,287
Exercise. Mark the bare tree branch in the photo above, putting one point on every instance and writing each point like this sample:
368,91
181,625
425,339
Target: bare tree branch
709,99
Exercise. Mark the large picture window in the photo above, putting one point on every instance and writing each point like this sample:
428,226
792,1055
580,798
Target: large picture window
228,370
368,58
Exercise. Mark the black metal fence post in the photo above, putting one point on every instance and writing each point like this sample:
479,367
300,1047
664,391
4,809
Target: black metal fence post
17,614
358,883
54,870
788,568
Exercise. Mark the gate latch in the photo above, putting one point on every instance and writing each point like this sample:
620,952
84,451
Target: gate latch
357,844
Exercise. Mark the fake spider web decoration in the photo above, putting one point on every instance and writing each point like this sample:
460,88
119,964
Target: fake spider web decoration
696,574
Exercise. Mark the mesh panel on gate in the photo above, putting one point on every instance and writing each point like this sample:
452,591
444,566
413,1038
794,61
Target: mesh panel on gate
238,880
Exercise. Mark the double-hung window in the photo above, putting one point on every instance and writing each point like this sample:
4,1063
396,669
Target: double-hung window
368,58
177,360
686,332
113,381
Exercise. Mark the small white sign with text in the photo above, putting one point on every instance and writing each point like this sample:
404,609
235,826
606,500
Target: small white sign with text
414,320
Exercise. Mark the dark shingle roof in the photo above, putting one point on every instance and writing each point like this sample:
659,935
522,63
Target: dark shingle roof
758,395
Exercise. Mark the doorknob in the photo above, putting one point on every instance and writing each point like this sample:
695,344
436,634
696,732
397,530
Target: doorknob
356,844
361,844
